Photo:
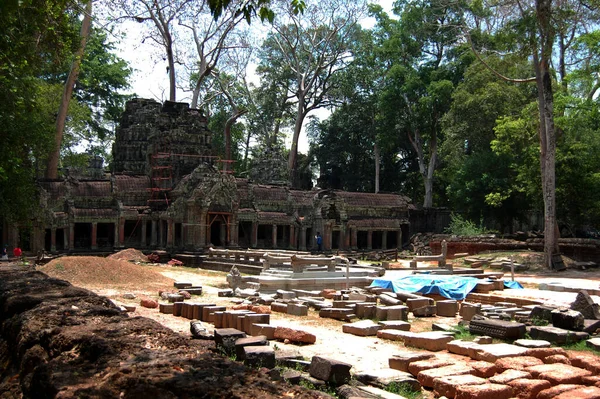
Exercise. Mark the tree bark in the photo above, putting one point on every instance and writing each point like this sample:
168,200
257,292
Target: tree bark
377,162
228,125
63,110
294,147
171,61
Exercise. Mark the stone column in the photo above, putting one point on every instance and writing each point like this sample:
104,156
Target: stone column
94,235
384,240
203,227
370,239
347,237
153,233
254,239
274,236
72,236
354,242
170,233
303,238
143,238
399,239
328,238
53,239
66,236
121,232
161,233
223,234
292,237
116,244
234,232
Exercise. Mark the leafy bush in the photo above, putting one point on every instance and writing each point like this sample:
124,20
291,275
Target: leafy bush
463,227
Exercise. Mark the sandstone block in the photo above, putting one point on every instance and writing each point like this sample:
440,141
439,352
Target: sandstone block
345,314
397,312
362,328
259,356
532,343
402,361
557,335
468,310
525,388
414,303
557,359
447,308
580,393
567,319
590,380
182,284
517,363
279,307
585,305
559,373
361,310
542,353
461,347
483,369
425,311
426,377
263,329
420,365
383,377
297,310
509,375
330,370
241,343
585,361
254,318
395,325
226,337
166,308
394,335
550,393
292,335
447,385
149,303
208,312
484,391
491,353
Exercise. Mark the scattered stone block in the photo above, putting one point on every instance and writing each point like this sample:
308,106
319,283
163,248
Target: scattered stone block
540,312
525,388
491,353
484,287
402,361
208,312
557,335
395,325
172,298
590,380
468,310
447,308
283,294
345,314
484,391
580,393
182,284
483,369
543,353
263,329
384,377
259,356
177,307
593,343
447,385
414,303
509,375
388,300
279,307
292,335
361,310
560,359
166,308
425,311
149,303
497,328
241,343
567,319
432,340
228,292
517,363
362,328
483,340
255,318
226,337
200,331
397,312
591,326
426,377
332,371
420,365
585,305
559,373
461,347
295,309
585,361
552,392
532,343
194,290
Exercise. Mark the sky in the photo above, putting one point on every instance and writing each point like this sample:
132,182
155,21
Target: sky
150,78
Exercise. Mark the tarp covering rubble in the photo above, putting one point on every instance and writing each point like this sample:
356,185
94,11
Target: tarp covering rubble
452,287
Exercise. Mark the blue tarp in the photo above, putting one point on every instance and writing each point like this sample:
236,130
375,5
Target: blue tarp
452,287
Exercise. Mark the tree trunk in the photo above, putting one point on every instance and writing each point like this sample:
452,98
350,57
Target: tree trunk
294,148
228,125
63,110
171,61
377,161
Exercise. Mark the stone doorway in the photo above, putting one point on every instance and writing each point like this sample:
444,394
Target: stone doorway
218,229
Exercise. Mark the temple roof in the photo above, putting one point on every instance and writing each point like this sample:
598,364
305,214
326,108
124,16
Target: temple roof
125,183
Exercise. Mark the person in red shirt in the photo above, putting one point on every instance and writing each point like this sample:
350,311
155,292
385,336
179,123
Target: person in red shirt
17,252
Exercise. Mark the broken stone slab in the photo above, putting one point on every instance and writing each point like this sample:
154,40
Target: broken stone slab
509,375
316,303
483,369
365,310
532,343
395,325
541,312
345,314
225,293
443,327
263,329
468,310
557,335
200,331
279,307
447,308
401,361
431,340
330,370
580,393
497,328
559,373
517,363
526,388
425,311
567,319
362,328
461,347
483,340
259,356
552,392
426,377
241,343
484,287
208,312
414,303
182,284
491,353
484,391
420,365
293,335
590,326
226,337
297,310
544,353
585,305
388,300
383,377
585,361
593,343
447,385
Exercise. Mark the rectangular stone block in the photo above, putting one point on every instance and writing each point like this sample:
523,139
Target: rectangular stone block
446,385
279,307
426,377
218,320
332,371
263,329
297,310
259,356
241,343
337,313
255,318
381,313
492,352
468,310
397,312
166,308
395,325
402,360
226,337
359,309
414,303
199,311
361,328
425,311
447,308
557,335
209,311
497,329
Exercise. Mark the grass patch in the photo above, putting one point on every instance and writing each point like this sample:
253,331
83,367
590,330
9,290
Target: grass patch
404,390
580,346
463,333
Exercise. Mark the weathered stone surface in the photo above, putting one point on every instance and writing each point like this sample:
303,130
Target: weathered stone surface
532,343
425,311
468,310
557,335
263,329
541,312
557,359
559,373
208,312
593,343
388,300
279,307
585,361
542,353
395,325
497,328
397,312
376,392
554,391
591,326
292,335
383,377
483,340
420,365
493,352
226,337
484,391
446,385
580,393
517,362
295,309
241,343
483,369
166,308
345,314
525,388
432,341
362,328
259,356
461,347
414,303
509,375
354,392
585,305
330,370
254,318
149,303
200,331
403,360
567,319
447,308
426,377
361,310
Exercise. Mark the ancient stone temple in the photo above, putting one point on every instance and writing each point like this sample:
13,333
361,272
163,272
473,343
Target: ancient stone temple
167,191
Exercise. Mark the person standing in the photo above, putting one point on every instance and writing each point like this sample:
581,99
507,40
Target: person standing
319,242
4,254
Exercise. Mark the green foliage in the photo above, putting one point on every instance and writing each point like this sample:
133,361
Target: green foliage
539,322
580,346
404,390
463,333
463,227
